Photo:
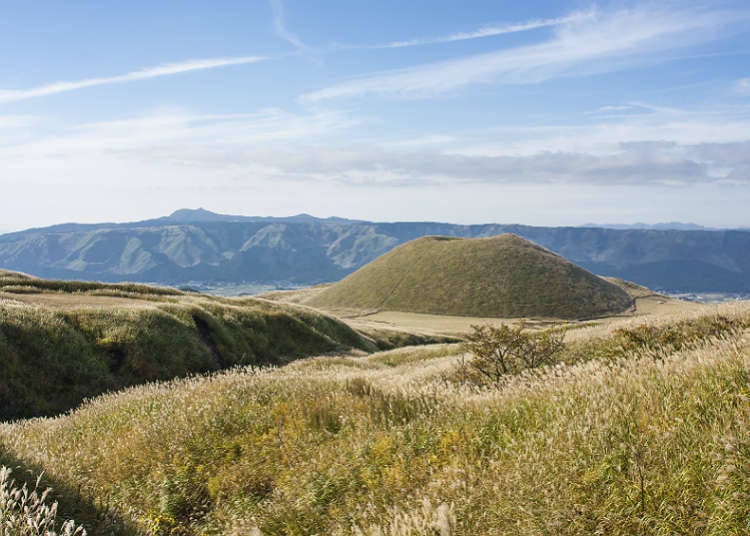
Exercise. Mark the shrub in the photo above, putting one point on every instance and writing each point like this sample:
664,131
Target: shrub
504,350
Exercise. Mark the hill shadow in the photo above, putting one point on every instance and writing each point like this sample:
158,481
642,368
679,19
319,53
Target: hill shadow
98,518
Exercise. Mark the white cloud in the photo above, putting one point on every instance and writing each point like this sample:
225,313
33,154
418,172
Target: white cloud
275,161
586,45
662,147
743,86
8,122
648,163
169,137
603,135
279,26
483,32
169,69
16,128
614,108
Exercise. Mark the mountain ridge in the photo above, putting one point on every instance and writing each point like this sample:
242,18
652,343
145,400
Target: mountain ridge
287,251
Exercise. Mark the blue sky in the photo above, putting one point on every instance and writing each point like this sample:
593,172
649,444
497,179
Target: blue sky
550,113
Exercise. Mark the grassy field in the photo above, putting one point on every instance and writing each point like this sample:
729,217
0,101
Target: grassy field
640,427
61,341
645,304
500,277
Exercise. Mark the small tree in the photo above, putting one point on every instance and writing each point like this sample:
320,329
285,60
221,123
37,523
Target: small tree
504,350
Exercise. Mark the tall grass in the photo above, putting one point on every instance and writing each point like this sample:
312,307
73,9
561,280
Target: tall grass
22,283
51,358
382,444
28,511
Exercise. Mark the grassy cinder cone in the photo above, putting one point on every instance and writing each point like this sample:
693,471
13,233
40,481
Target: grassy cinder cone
503,276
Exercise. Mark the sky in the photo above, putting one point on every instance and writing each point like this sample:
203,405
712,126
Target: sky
472,111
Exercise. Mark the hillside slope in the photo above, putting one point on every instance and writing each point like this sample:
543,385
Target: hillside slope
63,341
613,442
200,246
503,276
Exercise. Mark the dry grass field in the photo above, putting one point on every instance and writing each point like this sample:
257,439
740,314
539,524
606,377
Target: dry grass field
61,341
637,426
645,304
617,437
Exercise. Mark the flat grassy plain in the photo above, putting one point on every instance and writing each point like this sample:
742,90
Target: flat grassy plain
639,428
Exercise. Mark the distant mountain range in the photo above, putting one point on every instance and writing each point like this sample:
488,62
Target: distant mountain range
202,246
667,226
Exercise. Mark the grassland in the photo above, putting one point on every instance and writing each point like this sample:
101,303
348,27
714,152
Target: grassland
501,277
62,341
639,428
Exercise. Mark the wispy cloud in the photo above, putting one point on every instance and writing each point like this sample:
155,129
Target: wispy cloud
14,121
179,136
279,26
484,31
612,109
246,159
663,147
606,41
169,69
743,86
632,107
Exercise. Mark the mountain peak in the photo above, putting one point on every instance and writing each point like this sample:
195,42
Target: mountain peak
196,214
201,215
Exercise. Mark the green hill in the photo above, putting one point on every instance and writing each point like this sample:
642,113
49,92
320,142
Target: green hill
63,341
503,276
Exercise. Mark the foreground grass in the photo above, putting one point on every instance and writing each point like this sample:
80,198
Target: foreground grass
26,511
645,442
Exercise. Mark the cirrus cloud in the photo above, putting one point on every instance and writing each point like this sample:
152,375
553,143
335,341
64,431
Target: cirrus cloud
169,69
581,44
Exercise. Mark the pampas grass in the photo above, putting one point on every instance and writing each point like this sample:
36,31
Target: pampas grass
28,511
638,442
